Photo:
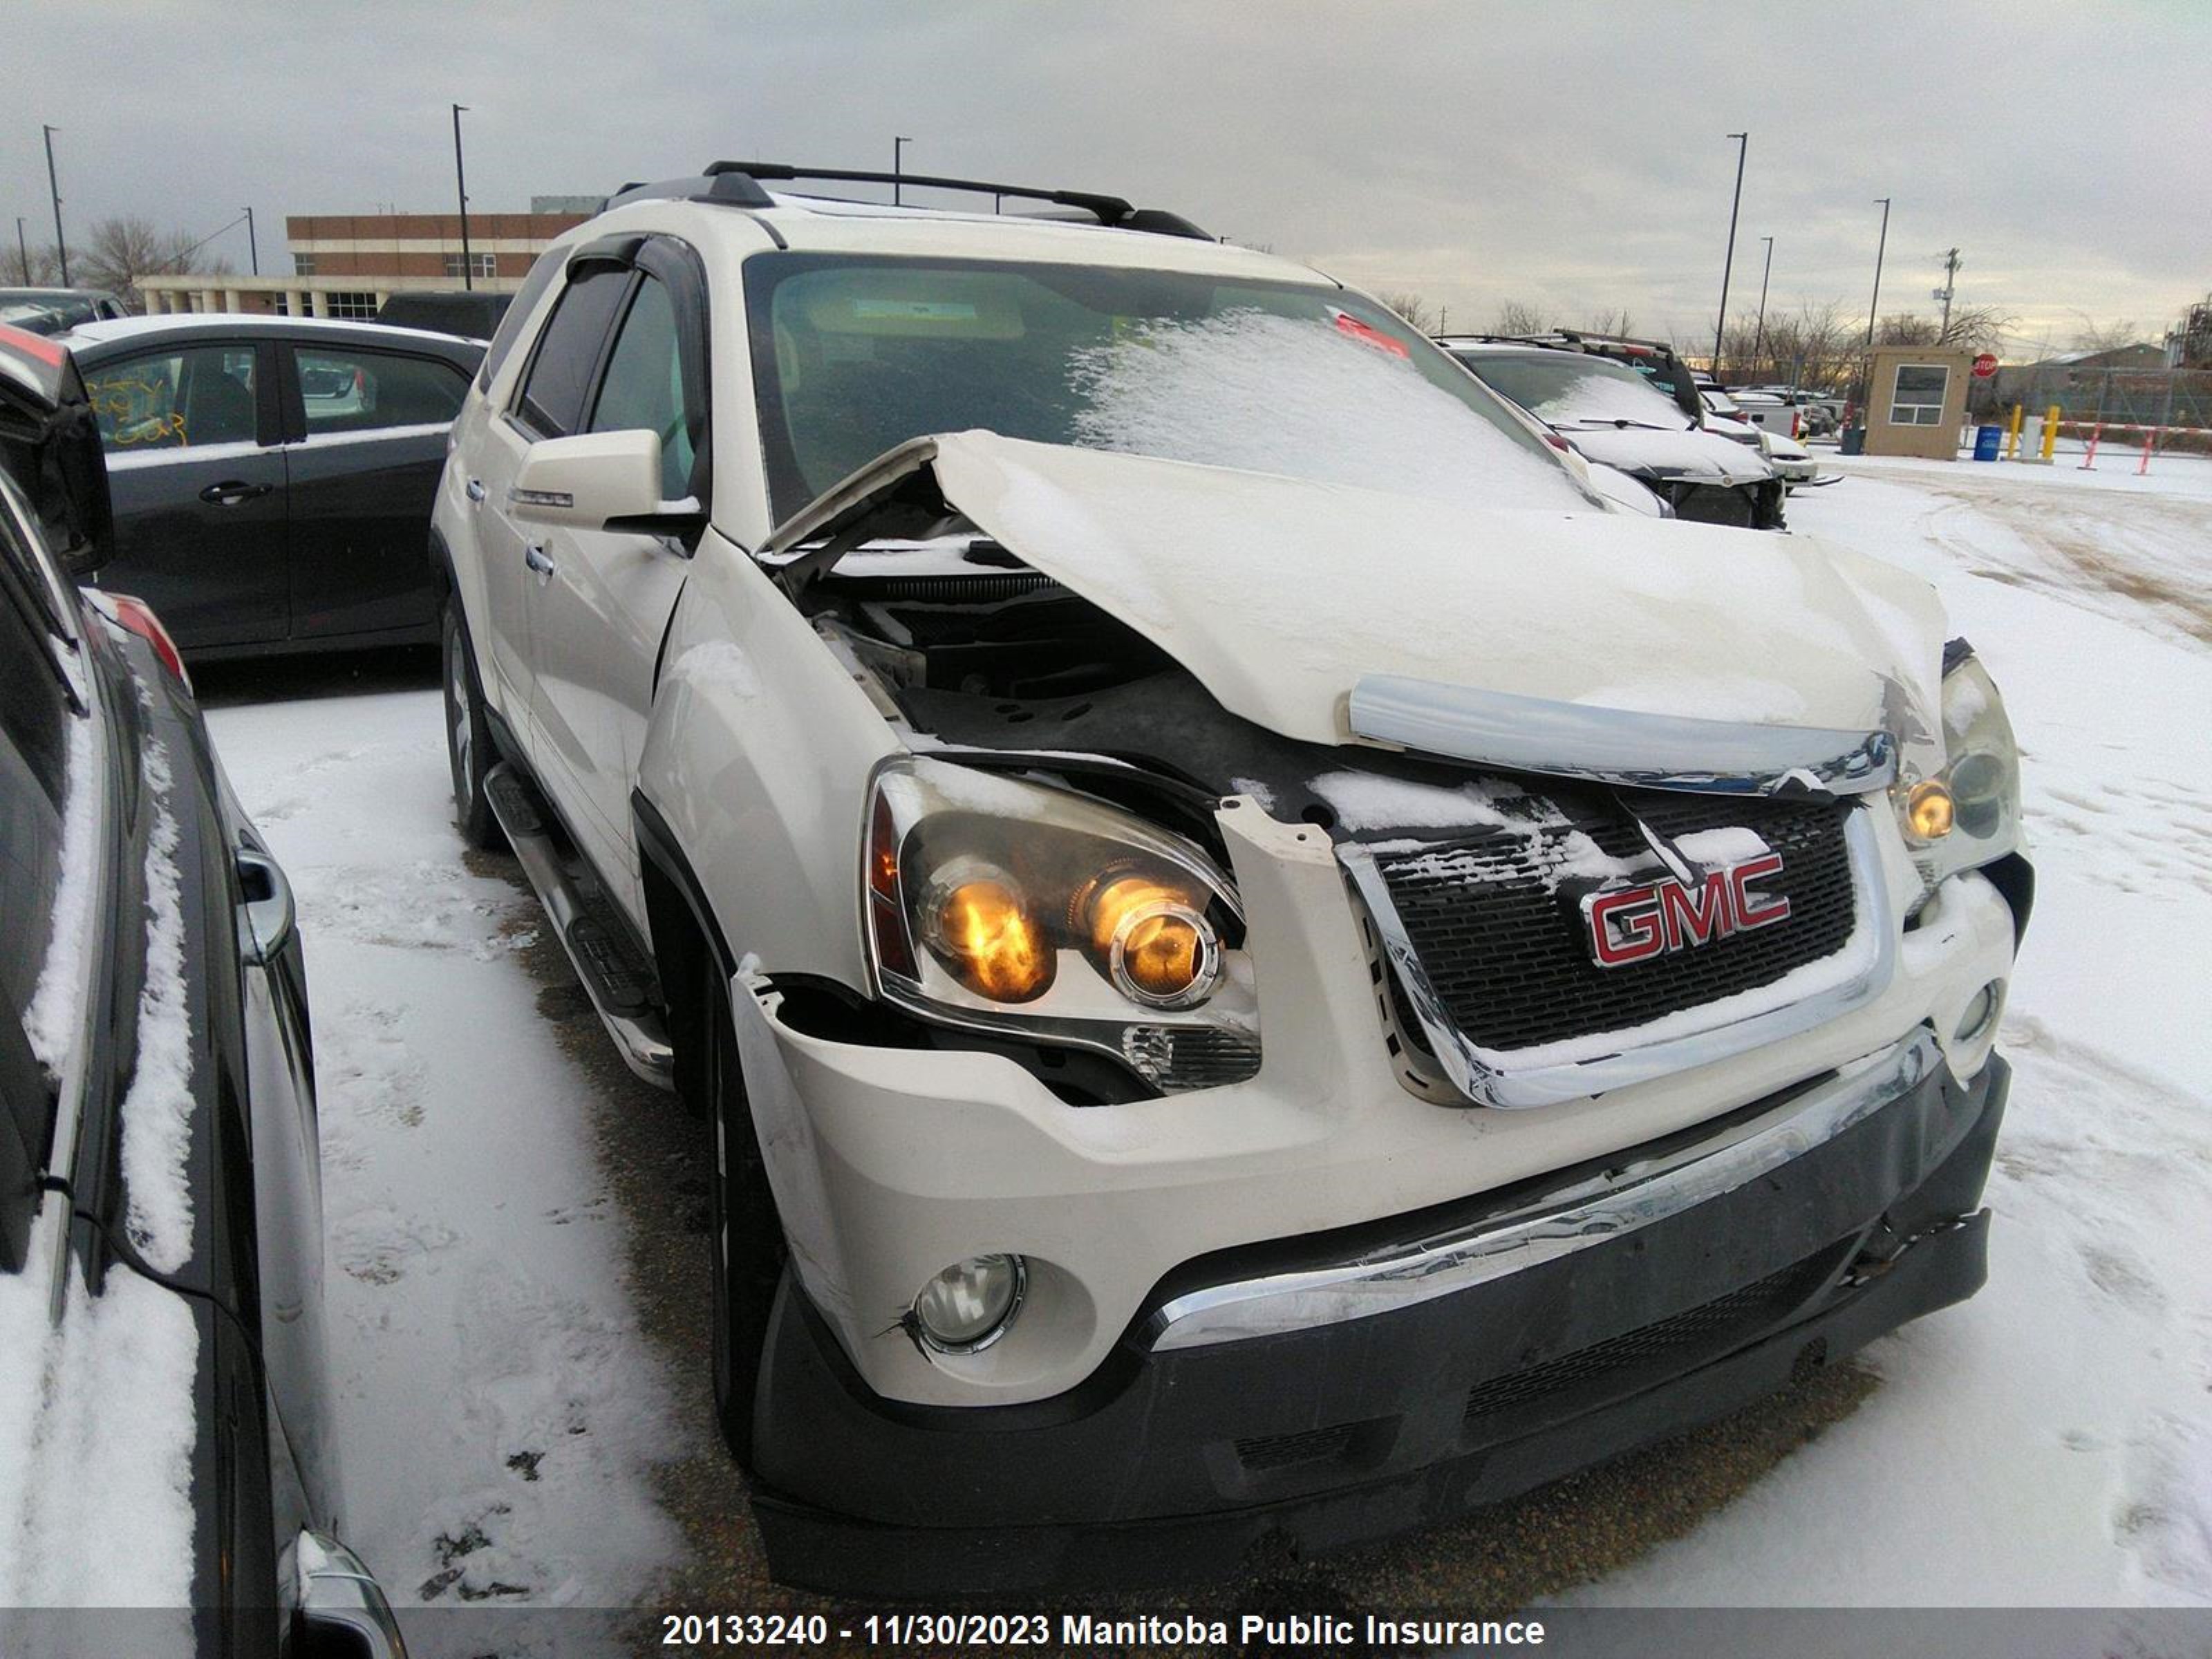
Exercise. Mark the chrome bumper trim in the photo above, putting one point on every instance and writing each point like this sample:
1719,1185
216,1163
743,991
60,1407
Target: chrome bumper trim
1619,745
1595,1211
1494,1078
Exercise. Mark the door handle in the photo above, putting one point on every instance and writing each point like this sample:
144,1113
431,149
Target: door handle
535,556
269,908
475,489
231,491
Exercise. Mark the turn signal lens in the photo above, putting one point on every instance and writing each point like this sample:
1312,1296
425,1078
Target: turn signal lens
1157,945
1928,811
986,935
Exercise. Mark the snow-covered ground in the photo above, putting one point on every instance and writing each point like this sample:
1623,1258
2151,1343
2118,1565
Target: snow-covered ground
2049,1442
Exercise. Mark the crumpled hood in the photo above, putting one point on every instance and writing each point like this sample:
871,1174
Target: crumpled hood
1702,456
1280,595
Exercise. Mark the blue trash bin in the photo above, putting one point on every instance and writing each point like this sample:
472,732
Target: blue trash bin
1988,440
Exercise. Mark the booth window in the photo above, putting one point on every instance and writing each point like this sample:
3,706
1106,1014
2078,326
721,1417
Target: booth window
1918,398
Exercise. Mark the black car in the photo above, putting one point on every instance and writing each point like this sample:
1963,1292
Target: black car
51,310
162,1381
472,313
272,478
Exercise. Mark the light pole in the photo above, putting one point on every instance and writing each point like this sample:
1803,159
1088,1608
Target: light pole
461,190
53,185
1758,335
1880,248
1742,144
23,247
898,165
253,243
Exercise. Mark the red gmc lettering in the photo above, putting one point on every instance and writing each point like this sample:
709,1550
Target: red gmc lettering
1634,924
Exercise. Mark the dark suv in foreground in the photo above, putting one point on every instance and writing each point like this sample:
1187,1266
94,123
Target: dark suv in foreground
164,1409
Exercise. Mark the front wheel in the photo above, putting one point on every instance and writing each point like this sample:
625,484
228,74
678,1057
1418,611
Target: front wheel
468,735
748,1249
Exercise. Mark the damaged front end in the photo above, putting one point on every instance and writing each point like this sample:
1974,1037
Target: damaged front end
1046,865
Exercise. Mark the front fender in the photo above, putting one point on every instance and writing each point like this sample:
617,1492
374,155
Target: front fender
756,759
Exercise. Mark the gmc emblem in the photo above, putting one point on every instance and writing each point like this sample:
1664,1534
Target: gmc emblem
1634,924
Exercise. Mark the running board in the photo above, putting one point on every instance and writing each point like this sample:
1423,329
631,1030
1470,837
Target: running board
614,972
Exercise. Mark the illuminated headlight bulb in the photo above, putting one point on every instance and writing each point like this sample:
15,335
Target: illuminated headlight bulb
971,1303
977,922
1928,812
1159,949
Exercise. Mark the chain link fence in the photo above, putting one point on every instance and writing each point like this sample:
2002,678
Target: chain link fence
2130,403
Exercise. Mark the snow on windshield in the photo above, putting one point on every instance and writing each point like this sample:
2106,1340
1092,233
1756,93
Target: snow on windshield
1564,387
1269,393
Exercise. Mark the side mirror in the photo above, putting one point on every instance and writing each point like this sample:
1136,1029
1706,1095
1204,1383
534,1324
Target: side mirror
342,1613
585,481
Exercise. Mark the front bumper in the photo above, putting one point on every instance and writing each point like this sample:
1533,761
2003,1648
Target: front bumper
1178,1463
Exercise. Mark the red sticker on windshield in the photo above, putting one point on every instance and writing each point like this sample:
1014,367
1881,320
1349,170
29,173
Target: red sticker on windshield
1367,334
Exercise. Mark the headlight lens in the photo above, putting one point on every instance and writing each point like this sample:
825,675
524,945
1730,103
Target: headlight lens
1968,814
1001,904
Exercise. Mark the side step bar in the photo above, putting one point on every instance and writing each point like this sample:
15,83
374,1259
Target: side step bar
616,973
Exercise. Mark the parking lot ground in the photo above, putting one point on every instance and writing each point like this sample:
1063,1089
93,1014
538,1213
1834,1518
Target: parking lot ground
519,1277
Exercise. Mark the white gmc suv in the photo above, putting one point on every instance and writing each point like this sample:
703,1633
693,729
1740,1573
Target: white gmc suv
1267,967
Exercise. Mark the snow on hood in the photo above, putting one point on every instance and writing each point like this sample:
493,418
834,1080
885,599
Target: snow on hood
1702,456
1281,594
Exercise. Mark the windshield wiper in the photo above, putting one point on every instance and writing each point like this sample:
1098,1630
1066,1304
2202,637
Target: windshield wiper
1621,422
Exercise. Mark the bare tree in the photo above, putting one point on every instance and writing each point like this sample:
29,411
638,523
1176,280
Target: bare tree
1518,316
1417,310
1612,323
117,251
42,269
2092,336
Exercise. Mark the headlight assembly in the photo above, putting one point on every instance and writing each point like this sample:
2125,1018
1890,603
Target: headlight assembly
1003,905
1968,814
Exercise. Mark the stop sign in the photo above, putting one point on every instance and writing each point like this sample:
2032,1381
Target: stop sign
1985,365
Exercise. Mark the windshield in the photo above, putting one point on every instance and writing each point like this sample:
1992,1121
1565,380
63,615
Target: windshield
1568,389
853,356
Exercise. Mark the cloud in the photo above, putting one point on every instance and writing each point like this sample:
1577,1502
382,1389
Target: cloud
1568,155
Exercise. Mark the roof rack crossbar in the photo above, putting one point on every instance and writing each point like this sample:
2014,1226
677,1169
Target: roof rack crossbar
1110,210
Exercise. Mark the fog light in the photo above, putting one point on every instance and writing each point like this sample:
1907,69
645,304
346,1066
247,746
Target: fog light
971,1305
1980,1010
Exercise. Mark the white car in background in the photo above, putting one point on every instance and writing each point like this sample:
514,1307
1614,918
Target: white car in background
1266,969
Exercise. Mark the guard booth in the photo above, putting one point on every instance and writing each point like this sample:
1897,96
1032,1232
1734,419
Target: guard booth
1917,400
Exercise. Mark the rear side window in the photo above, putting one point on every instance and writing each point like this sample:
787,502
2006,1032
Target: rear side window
644,387
343,391
553,394
503,338
182,398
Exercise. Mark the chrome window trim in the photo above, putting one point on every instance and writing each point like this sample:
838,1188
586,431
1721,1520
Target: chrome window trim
1491,1077
369,434
1593,1212
1618,746
130,460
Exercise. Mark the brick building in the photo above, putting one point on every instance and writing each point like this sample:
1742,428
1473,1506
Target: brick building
345,265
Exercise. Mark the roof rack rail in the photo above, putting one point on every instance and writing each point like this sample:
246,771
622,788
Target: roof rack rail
729,178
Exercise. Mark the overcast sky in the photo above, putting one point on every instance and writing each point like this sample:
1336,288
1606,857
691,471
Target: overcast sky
1564,153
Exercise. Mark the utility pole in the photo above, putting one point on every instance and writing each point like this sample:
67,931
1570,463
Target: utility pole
253,243
23,247
1944,292
1742,144
461,189
53,185
1759,335
898,165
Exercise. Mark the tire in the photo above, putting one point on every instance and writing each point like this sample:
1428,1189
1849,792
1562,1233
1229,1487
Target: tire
746,1236
468,734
